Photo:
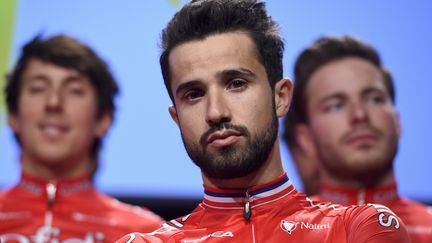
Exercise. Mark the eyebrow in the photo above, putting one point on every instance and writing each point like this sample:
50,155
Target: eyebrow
187,85
373,90
45,78
223,73
339,95
236,72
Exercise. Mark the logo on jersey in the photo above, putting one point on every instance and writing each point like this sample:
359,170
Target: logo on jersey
288,226
217,234
50,234
386,217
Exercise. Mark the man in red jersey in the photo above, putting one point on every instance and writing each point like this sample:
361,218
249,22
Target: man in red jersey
345,120
60,98
222,67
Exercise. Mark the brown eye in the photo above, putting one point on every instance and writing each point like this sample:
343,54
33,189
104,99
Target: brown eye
237,84
334,105
193,94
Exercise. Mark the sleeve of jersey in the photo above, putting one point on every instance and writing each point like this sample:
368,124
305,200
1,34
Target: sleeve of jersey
374,223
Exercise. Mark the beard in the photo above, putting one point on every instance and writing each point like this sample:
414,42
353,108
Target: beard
367,166
237,160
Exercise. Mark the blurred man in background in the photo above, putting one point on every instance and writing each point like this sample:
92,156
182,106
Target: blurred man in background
306,164
60,99
345,119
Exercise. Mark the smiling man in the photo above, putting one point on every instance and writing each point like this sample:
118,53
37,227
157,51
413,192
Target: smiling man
222,67
60,99
346,119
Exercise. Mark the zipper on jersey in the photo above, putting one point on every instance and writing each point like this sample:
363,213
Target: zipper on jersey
361,197
51,190
247,212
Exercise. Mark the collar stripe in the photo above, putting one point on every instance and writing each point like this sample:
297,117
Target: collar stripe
268,192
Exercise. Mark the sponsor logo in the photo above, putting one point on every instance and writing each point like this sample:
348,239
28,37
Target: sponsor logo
217,234
386,217
46,234
290,226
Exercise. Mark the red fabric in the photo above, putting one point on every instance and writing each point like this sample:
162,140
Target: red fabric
77,213
279,214
416,216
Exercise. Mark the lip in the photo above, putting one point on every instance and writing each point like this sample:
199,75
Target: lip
53,130
362,139
223,138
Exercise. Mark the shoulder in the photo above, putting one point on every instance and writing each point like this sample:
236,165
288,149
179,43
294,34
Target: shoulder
166,233
11,195
131,216
374,223
171,231
411,207
365,223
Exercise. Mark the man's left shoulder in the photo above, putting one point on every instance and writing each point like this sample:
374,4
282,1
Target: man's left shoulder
374,223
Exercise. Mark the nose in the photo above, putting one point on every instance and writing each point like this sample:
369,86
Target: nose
54,101
217,109
359,113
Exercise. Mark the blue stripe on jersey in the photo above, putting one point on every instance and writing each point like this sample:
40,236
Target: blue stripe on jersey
269,187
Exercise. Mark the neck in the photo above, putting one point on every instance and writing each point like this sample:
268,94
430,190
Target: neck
382,194
270,169
55,169
356,184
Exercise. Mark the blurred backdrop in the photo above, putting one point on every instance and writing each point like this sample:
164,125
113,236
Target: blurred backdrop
143,159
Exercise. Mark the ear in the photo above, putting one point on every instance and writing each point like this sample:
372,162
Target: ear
103,124
305,140
173,112
12,120
283,94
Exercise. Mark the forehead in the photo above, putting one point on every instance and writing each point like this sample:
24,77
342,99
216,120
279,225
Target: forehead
348,75
197,59
36,67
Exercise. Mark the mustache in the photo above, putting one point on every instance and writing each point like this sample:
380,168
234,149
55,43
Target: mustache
219,127
369,129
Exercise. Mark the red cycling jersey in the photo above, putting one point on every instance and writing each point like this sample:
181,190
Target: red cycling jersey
66,211
276,212
416,216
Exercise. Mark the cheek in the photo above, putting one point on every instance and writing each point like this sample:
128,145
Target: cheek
84,114
192,127
385,121
327,129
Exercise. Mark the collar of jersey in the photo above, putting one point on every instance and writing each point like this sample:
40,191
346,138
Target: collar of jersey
260,194
64,187
345,196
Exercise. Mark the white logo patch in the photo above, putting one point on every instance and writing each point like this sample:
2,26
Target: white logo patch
288,226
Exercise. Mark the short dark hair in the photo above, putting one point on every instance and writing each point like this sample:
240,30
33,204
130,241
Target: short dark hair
67,52
323,51
202,18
